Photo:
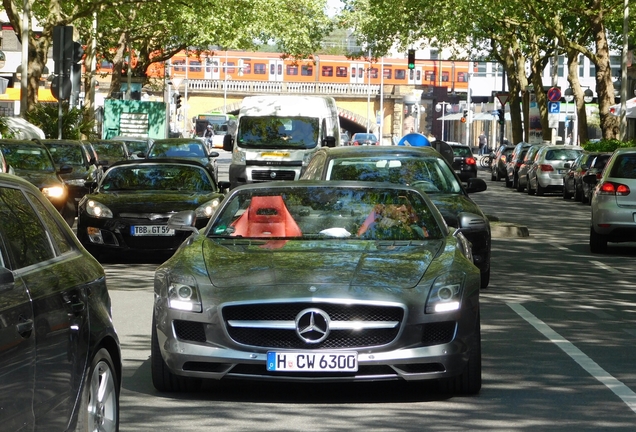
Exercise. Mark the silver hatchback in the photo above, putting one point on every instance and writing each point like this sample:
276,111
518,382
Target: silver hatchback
613,203
546,173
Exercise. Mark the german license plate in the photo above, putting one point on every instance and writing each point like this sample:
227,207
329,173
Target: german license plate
312,362
151,230
561,171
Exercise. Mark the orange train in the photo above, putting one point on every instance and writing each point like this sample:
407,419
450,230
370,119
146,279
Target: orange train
257,66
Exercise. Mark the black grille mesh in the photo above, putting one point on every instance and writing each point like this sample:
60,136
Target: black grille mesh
438,333
338,339
267,175
189,330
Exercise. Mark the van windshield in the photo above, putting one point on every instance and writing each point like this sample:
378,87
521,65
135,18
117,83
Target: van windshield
278,132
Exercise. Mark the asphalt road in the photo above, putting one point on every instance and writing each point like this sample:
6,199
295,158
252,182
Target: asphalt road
558,333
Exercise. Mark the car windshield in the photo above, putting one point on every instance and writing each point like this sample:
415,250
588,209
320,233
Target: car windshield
364,136
110,152
278,132
327,212
428,174
28,158
66,154
192,149
157,178
137,146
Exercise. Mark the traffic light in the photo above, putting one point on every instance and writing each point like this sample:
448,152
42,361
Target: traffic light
177,101
411,56
63,57
501,116
77,57
464,116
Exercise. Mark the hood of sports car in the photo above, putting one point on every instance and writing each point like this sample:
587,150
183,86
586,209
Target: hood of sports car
152,201
247,263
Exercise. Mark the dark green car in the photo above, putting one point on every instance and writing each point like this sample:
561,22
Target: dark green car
130,208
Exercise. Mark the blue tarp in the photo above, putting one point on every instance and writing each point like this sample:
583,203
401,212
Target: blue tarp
414,140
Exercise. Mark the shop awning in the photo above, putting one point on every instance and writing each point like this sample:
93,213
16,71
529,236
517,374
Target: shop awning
631,108
13,94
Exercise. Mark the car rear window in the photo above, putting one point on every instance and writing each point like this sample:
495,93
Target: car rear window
462,151
561,154
624,166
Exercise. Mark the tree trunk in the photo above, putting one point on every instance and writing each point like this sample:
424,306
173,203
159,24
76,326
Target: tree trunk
604,85
577,91
118,65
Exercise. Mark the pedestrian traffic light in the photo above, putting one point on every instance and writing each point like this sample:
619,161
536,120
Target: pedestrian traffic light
411,61
177,101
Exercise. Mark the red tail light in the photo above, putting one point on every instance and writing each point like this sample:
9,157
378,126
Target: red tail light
518,164
610,188
599,175
503,158
356,143
471,161
546,167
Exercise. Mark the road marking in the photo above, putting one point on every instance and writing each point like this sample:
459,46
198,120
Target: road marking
590,366
605,267
563,248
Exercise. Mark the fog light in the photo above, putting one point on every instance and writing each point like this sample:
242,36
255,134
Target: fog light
95,235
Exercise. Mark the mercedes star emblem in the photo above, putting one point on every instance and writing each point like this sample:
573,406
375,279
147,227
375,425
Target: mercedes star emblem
312,325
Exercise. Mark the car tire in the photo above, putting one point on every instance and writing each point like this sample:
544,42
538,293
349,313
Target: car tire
508,182
518,186
469,382
494,176
69,212
540,189
566,195
529,189
598,242
578,194
485,278
162,378
99,403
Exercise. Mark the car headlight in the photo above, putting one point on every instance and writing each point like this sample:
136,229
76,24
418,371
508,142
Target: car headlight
446,293
206,210
238,156
54,191
76,182
183,293
97,209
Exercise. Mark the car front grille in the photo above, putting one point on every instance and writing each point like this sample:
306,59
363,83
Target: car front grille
274,325
189,330
258,175
438,333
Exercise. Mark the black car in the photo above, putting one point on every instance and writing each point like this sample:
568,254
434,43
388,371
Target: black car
363,139
86,169
464,163
130,208
596,167
188,149
110,151
498,164
33,162
137,146
422,168
60,359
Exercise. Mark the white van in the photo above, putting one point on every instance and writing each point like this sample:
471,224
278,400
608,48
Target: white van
277,135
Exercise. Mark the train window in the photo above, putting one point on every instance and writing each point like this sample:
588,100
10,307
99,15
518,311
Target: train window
195,66
229,67
400,74
292,70
341,71
429,75
418,75
461,76
260,68
272,69
307,70
179,65
360,72
411,73
387,73
279,70
327,71
247,68
374,72
445,77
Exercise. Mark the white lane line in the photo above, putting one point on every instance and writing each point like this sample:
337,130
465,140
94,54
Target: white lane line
563,248
616,386
605,267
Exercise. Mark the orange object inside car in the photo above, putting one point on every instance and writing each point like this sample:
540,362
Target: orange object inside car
267,216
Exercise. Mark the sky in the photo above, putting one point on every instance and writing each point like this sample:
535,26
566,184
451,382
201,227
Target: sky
333,6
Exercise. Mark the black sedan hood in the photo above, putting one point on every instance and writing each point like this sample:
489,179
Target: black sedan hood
451,205
245,263
40,179
152,201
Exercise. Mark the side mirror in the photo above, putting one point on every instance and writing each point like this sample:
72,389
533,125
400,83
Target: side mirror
213,154
224,186
7,279
65,169
183,221
228,143
141,155
91,185
567,165
476,185
329,141
471,222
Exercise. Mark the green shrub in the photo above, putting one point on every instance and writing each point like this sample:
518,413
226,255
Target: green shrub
74,125
607,145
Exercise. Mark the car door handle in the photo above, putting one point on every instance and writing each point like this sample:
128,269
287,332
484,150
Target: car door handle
24,327
78,307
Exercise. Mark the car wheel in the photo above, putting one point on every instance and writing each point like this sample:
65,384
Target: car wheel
566,195
578,194
540,189
518,185
485,278
494,176
99,404
598,242
162,379
508,182
69,212
469,382
528,187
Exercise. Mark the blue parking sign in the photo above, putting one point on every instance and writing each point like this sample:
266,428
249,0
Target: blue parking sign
554,107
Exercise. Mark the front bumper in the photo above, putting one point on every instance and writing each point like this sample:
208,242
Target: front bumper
246,174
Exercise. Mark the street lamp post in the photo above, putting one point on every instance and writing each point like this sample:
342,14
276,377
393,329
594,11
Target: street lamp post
569,97
441,106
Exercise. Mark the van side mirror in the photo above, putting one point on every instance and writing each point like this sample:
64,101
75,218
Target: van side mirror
329,141
228,142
